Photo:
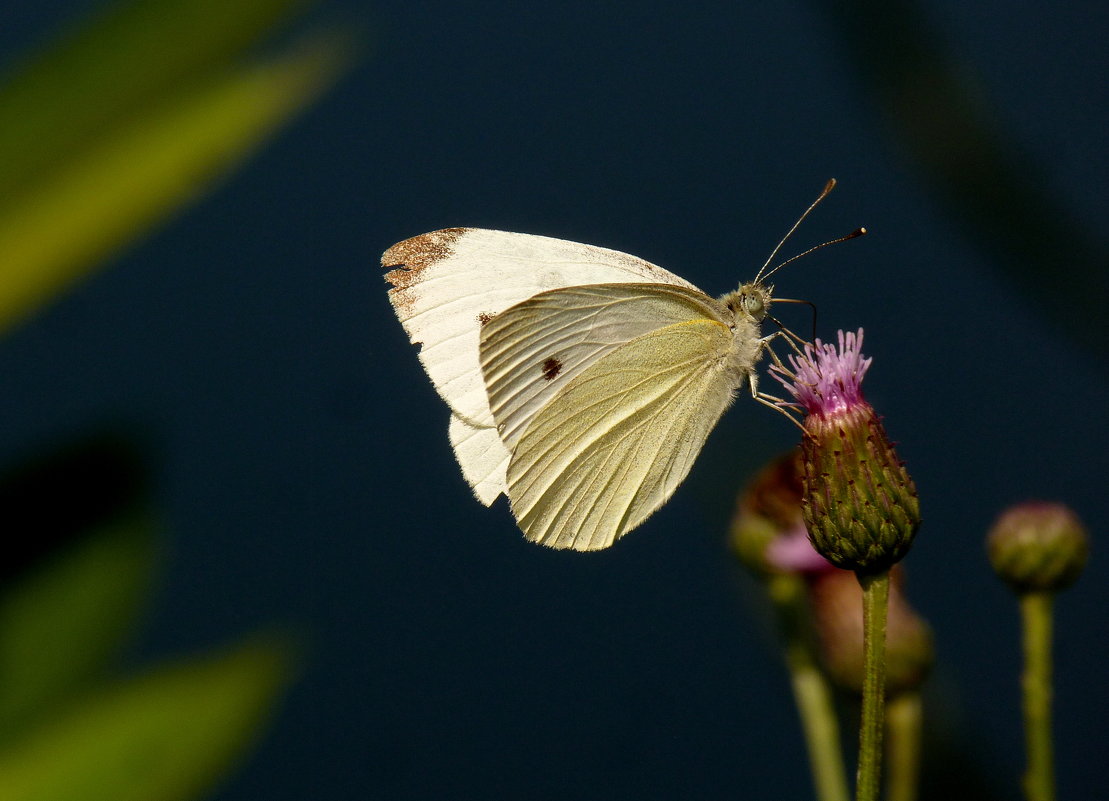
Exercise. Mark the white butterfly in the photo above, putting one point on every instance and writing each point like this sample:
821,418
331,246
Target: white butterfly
582,381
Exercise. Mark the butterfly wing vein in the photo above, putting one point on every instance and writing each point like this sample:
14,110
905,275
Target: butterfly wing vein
617,440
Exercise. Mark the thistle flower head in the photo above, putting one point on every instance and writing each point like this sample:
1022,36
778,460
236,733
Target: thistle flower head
858,502
1038,546
827,379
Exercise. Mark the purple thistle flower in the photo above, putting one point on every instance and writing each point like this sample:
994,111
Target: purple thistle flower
827,379
858,502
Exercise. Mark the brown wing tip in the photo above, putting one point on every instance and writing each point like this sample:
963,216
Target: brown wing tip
422,251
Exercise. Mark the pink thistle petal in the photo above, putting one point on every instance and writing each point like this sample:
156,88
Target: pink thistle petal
827,379
792,552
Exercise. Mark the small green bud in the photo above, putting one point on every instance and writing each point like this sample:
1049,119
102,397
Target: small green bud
1038,546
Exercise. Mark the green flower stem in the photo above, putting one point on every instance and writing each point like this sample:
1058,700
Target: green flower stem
904,714
811,692
1039,778
876,591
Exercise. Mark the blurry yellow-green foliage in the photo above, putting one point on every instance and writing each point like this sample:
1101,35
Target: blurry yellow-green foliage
104,134
128,118
70,598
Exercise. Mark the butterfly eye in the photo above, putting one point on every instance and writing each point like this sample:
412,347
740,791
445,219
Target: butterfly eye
754,306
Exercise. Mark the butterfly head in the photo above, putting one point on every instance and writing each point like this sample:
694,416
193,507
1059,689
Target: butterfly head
751,300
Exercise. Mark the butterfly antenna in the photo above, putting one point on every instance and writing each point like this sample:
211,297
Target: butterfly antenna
856,233
828,187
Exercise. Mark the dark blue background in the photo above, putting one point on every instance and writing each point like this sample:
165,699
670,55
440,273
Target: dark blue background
305,474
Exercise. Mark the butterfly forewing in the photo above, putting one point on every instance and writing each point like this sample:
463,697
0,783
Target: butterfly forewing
619,438
534,349
449,283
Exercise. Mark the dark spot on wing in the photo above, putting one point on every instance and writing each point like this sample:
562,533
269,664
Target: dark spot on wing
551,368
484,318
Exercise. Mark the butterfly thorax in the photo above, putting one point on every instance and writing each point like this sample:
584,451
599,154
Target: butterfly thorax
748,306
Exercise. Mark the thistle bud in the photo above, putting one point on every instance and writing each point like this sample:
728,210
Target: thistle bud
859,504
1038,546
768,533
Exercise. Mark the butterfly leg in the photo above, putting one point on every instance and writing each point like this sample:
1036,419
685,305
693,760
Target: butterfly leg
765,398
764,343
776,404
793,340
780,365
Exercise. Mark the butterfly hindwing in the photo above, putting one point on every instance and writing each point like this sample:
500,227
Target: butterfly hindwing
615,443
532,350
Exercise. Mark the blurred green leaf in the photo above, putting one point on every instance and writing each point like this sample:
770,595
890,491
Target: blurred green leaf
164,737
110,193
61,624
117,63
73,588
129,117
